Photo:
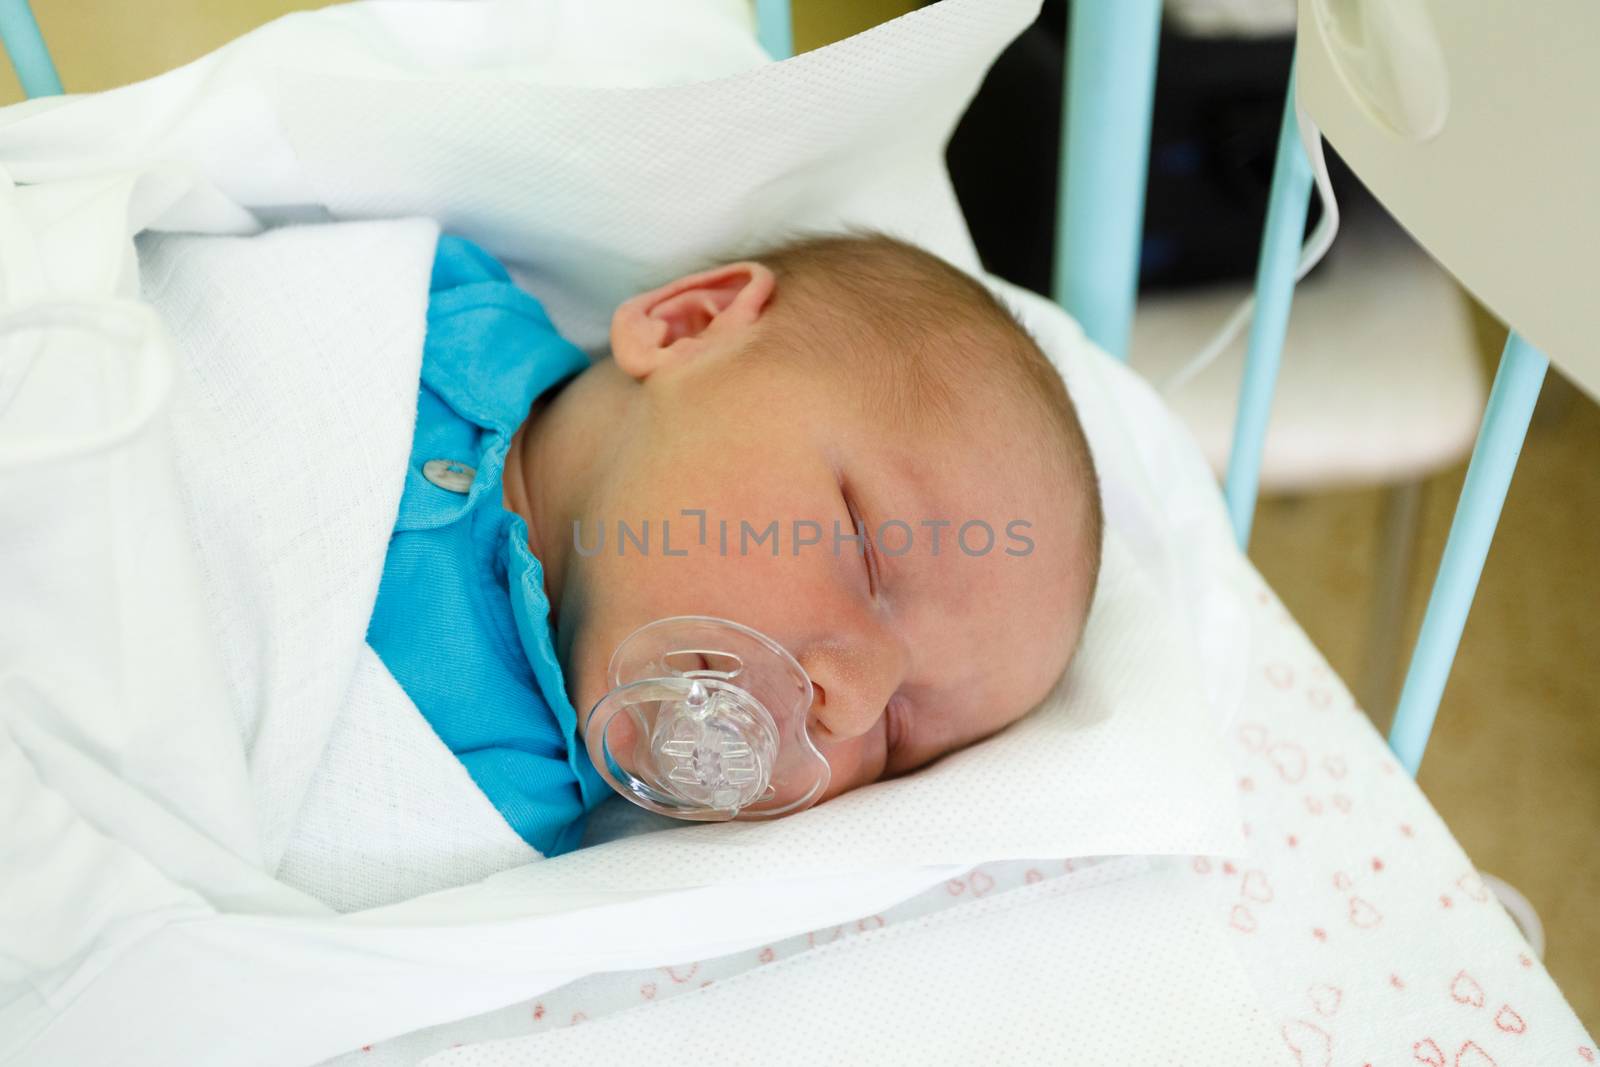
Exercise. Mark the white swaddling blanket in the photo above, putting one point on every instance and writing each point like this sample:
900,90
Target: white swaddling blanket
198,777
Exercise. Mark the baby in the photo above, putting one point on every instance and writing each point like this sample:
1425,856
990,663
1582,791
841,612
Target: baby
843,443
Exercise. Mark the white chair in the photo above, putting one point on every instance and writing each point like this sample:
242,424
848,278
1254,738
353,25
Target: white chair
1381,385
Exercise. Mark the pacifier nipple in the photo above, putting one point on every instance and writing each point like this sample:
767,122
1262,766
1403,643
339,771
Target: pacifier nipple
711,750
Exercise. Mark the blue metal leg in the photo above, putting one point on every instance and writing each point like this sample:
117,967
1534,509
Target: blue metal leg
775,28
1275,271
1494,459
24,44
1105,153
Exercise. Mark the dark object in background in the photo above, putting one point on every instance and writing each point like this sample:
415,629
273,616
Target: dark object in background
1218,106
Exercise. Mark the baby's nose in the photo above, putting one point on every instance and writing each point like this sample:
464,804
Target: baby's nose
852,684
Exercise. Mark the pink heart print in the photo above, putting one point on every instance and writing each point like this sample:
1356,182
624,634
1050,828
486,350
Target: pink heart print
1508,1020
1363,914
1311,1044
1428,1052
1290,759
1325,999
1464,989
1255,887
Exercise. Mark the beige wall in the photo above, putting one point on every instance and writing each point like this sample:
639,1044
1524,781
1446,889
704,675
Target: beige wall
98,44
817,22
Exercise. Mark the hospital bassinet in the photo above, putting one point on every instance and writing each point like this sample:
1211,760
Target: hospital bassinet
1352,929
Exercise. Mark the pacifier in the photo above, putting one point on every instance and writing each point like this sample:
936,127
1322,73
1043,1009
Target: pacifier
706,721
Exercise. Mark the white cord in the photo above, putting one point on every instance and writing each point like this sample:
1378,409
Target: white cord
1521,911
1311,254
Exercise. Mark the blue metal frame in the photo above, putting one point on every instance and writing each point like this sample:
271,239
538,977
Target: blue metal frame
1494,460
1105,152
775,28
19,32
1275,275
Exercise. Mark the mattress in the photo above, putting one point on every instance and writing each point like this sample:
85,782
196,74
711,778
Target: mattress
1358,926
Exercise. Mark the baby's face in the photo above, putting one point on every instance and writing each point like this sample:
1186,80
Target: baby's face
952,621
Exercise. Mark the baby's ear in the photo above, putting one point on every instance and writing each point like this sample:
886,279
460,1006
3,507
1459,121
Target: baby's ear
689,317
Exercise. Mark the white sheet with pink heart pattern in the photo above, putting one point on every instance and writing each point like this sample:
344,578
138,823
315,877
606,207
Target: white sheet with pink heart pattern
1368,933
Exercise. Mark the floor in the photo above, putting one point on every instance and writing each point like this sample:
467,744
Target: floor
1514,761
1514,764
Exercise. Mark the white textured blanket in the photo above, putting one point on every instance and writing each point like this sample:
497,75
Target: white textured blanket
200,761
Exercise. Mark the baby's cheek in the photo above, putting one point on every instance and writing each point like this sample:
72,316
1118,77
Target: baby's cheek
852,764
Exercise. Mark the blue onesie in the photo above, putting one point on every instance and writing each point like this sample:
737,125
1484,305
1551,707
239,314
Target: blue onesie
462,620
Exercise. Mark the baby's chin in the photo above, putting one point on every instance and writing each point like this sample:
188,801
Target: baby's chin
585,693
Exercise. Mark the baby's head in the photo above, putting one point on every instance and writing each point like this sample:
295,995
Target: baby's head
754,417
